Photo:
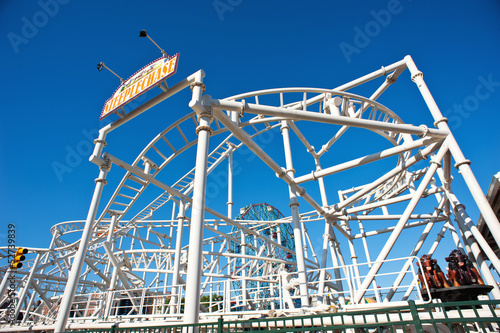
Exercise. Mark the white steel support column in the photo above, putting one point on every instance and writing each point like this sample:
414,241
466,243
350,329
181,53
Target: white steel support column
243,247
112,224
175,302
352,250
435,162
76,268
111,288
455,236
230,202
447,179
324,257
328,238
235,118
461,164
194,271
361,228
294,205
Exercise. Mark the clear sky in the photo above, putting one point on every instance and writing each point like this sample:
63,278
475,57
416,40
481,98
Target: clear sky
52,94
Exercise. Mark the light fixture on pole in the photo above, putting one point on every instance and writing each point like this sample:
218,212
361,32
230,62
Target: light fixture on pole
143,33
101,65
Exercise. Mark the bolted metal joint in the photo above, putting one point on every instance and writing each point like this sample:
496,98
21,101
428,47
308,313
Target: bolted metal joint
204,128
435,162
284,125
114,212
417,75
101,180
242,108
106,162
444,119
202,110
281,174
146,160
458,164
96,141
421,154
197,84
300,190
426,130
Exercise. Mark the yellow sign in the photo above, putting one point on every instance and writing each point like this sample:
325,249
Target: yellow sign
146,78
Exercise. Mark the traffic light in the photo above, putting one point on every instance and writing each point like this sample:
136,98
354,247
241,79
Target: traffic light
18,257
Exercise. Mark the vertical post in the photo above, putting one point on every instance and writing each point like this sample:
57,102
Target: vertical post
76,268
415,317
235,118
230,202
368,257
243,248
194,271
220,323
111,288
447,179
461,163
294,205
175,301
326,238
354,257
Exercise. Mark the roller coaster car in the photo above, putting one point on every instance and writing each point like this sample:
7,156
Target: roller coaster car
433,274
461,272
464,283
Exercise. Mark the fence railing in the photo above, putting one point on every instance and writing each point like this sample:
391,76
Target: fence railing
330,287
467,316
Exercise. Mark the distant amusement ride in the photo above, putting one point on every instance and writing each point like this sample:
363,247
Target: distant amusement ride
367,200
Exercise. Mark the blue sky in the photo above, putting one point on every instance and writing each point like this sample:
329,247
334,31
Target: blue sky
52,93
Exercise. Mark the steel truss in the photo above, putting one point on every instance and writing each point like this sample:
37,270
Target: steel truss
133,261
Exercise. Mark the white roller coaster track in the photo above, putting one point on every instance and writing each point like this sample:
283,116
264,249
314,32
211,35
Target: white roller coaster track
137,264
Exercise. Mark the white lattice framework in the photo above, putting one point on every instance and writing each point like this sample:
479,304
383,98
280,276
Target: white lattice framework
133,261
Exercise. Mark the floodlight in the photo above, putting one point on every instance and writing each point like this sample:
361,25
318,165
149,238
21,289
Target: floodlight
100,67
143,33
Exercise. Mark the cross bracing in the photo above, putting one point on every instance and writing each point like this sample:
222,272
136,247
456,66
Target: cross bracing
134,259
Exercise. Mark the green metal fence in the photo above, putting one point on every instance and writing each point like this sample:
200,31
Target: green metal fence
469,316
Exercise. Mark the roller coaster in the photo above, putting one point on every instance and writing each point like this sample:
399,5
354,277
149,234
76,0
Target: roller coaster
356,183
